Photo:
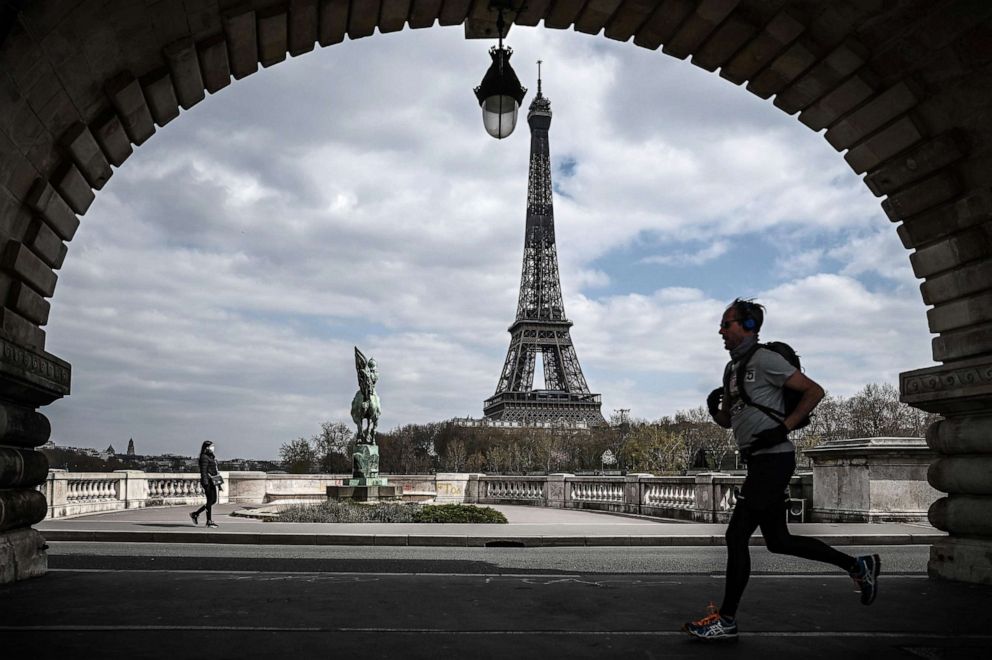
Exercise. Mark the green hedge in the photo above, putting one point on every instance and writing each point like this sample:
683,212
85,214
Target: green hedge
347,512
458,513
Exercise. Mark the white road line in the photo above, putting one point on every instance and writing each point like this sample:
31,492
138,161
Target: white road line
716,576
873,634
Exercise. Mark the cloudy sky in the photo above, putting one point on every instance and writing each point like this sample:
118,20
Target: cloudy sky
351,197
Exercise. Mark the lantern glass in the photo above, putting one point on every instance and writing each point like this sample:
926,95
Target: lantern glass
499,115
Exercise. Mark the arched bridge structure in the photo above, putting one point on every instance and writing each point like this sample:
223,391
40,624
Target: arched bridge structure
902,90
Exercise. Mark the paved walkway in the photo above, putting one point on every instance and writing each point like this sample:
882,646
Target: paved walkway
527,526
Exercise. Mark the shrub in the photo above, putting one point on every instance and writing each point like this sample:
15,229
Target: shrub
348,512
458,513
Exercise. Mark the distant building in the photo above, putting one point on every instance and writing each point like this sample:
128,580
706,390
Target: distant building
130,447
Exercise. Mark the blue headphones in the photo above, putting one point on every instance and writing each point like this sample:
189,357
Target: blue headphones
748,322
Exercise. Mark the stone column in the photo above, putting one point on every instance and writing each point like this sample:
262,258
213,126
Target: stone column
29,378
633,490
962,393
556,490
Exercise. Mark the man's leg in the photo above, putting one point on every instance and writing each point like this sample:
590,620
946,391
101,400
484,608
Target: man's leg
743,522
781,541
864,570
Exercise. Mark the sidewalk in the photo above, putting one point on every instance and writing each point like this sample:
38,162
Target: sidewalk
527,527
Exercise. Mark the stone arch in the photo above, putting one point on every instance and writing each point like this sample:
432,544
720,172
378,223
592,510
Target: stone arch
903,90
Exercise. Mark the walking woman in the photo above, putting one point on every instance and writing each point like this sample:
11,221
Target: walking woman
211,481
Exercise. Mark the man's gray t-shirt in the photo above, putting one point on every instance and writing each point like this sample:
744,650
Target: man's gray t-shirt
764,378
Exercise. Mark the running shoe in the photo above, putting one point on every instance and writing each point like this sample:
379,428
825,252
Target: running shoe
712,627
211,523
866,577
196,518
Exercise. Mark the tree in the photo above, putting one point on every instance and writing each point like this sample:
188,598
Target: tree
333,447
298,456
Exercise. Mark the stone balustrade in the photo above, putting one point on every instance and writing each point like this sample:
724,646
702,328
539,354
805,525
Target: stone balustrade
869,480
706,497
72,494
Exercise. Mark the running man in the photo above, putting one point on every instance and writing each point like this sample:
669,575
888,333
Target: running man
763,442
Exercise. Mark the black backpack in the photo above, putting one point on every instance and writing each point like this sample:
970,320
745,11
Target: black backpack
789,397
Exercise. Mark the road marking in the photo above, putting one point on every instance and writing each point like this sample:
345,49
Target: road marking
874,634
553,577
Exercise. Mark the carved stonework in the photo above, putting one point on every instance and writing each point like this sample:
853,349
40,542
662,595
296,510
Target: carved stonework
955,388
32,376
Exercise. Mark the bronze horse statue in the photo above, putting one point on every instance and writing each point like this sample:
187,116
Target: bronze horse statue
365,406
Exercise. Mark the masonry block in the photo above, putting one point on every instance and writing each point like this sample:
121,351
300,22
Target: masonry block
629,16
26,266
916,163
333,21
884,108
362,18
160,96
184,65
922,196
55,211
974,209
531,12
454,12
242,41
785,68
963,344
595,15
956,283
698,26
662,23
26,302
82,147
727,40
273,35
45,243
781,31
884,144
303,23
563,14
73,188
109,133
952,252
845,97
21,330
215,67
393,15
129,102
961,313
22,555
423,13
824,76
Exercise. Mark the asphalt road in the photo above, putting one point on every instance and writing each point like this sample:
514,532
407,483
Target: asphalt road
226,601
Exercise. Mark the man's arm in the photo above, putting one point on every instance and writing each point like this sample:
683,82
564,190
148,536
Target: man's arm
812,394
717,405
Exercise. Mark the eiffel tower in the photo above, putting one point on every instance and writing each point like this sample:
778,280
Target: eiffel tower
541,325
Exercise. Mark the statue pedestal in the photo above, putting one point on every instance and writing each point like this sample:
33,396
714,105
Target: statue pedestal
365,485
363,493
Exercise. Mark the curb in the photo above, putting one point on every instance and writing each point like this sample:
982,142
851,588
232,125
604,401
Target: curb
454,540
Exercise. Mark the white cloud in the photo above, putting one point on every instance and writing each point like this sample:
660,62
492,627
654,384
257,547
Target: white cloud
702,256
219,282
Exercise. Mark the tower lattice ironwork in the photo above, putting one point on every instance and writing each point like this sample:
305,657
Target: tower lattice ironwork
541,325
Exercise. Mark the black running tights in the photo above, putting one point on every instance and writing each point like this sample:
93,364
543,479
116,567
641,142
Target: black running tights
762,503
